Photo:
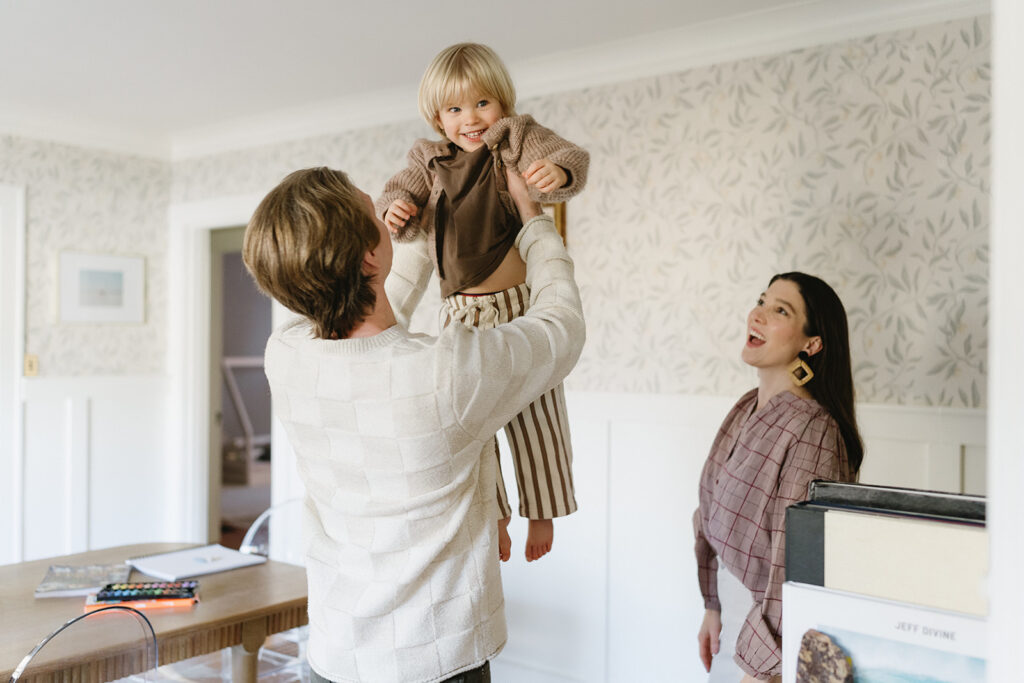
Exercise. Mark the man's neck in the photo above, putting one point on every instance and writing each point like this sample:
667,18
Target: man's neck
379,319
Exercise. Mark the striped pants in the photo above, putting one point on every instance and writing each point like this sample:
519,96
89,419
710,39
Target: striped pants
538,436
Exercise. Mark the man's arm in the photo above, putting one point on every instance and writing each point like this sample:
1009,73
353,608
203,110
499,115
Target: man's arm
409,277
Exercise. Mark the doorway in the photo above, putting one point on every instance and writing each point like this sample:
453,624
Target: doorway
240,323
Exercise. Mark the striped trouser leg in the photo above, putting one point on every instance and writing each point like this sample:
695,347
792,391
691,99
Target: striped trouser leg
539,436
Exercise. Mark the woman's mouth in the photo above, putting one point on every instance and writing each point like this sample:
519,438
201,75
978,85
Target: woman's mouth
755,338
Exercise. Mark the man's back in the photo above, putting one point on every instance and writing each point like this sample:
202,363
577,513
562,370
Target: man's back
393,435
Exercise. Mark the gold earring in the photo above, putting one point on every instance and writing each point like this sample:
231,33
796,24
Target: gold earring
800,372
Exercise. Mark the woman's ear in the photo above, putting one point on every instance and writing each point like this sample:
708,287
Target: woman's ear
813,346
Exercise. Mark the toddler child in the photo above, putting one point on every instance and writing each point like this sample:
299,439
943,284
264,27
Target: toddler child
453,197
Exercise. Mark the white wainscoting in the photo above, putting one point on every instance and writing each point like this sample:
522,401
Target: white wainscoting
617,599
94,464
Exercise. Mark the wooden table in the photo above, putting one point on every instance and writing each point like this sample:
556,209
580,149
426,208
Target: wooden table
237,608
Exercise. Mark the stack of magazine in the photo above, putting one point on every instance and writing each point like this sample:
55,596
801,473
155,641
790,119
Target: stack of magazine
886,584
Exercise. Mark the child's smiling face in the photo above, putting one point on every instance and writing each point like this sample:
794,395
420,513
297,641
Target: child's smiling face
466,120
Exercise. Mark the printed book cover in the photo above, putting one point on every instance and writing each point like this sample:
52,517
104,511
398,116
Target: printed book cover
870,640
63,581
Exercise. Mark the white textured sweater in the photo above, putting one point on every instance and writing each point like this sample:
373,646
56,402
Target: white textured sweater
391,437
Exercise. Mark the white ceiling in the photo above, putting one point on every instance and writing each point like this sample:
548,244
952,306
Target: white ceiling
176,78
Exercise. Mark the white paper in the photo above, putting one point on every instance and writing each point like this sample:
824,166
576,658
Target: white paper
182,564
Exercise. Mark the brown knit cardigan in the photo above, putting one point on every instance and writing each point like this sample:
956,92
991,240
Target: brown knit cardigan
515,141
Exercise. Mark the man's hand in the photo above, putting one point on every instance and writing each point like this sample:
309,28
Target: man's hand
707,637
546,176
398,214
521,196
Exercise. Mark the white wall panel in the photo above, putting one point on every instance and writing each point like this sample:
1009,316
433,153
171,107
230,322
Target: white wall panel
617,599
45,471
556,607
93,459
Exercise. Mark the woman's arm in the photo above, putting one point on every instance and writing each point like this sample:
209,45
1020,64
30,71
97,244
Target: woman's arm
817,453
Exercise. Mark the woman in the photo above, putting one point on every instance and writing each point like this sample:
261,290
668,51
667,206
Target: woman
796,426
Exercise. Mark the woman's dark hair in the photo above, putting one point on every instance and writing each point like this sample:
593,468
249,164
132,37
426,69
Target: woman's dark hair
832,385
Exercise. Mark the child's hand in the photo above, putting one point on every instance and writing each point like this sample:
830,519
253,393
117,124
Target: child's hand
398,214
546,176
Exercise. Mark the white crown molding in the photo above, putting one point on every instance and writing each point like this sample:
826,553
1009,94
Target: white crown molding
800,24
796,26
67,130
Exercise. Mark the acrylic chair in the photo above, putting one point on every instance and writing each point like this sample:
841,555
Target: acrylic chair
119,640
276,534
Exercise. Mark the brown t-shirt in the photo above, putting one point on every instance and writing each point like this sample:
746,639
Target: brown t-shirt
474,231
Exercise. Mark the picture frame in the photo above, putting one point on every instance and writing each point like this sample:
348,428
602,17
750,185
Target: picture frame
101,288
557,213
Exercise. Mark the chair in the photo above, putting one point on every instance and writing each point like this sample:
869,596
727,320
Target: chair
119,639
276,534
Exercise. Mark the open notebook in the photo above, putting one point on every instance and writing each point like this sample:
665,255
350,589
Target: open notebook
182,564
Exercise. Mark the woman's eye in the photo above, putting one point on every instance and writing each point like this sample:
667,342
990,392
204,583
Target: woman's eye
781,311
760,302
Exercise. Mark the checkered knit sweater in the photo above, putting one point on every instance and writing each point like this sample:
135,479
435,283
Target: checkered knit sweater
391,437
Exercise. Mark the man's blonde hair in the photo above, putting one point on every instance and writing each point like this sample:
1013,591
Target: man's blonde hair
463,67
305,245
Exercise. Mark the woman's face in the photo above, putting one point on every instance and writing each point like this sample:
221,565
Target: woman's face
775,328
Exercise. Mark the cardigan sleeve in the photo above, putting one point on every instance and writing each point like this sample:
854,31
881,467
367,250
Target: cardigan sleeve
817,453
528,141
410,274
495,373
411,184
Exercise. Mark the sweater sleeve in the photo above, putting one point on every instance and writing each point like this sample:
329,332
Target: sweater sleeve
497,372
817,453
409,277
411,184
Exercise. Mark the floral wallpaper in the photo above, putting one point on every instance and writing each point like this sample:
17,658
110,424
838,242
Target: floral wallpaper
865,162
99,203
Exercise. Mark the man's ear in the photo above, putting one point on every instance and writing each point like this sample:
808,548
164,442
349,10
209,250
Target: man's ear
371,264
813,346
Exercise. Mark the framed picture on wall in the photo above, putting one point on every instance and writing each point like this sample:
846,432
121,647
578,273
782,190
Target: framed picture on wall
557,213
101,288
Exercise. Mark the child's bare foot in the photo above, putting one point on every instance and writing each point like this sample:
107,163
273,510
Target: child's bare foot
504,540
539,537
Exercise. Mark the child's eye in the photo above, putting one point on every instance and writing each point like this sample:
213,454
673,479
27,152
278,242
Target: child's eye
454,110
482,103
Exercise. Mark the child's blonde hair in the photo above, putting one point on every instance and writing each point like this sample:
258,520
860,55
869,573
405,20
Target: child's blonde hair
459,68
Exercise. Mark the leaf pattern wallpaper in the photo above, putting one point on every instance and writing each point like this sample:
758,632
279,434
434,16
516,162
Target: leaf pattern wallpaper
865,162
92,202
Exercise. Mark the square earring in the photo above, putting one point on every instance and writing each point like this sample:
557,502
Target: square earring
800,372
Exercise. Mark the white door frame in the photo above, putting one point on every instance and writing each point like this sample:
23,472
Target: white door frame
1006,363
188,356
12,355
189,367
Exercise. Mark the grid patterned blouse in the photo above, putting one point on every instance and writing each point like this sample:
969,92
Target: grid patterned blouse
761,462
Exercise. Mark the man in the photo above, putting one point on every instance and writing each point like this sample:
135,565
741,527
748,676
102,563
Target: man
393,432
